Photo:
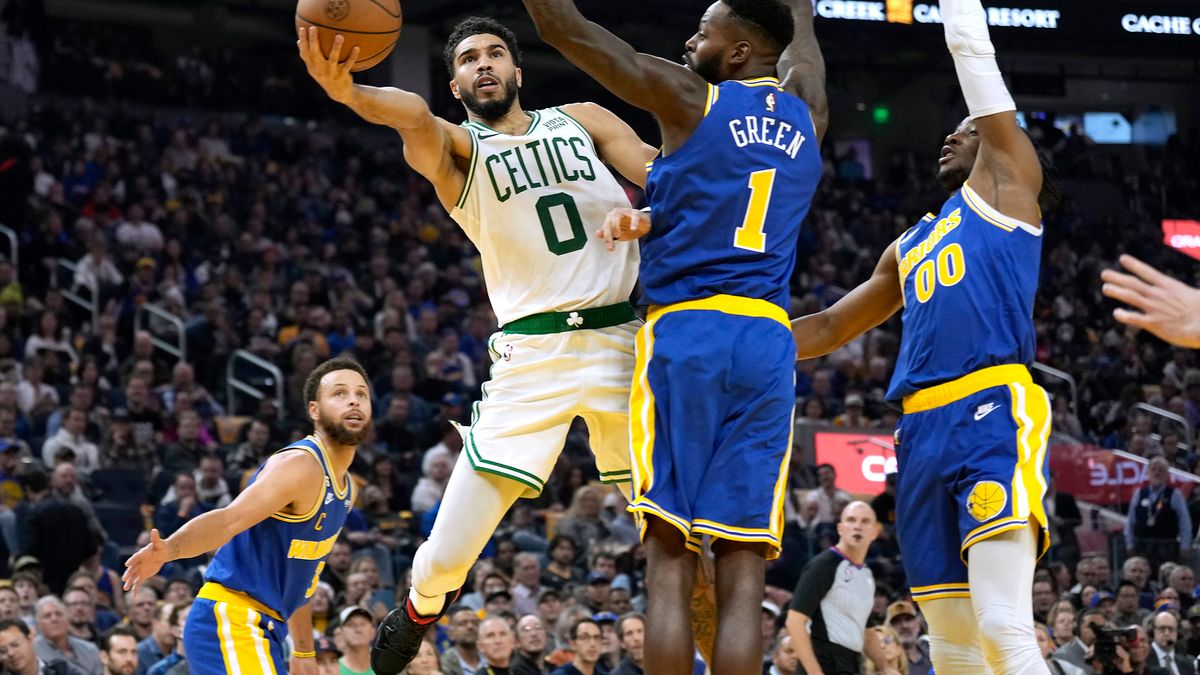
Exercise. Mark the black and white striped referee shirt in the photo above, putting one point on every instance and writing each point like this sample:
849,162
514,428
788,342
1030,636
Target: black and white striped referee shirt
837,595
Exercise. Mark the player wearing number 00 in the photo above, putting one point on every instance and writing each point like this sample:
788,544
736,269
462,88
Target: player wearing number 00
272,540
713,393
972,442
528,188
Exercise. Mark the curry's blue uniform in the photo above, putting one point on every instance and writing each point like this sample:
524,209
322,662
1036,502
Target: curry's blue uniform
713,392
238,623
972,443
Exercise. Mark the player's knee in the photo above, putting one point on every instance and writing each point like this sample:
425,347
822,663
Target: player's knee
433,575
955,657
1000,632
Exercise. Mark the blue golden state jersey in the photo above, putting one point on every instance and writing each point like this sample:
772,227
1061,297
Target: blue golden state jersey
726,207
969,276
278,561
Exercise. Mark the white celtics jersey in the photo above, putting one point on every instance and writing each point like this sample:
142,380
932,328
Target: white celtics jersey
531,205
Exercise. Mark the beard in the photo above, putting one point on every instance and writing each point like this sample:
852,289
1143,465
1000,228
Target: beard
495,108
708,69
952,178
340,434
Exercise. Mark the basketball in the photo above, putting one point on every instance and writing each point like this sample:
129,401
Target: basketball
370,25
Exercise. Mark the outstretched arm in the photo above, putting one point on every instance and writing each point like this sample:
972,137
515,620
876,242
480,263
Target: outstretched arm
802,66
674,94
430,144
868,305
274,490
1007,173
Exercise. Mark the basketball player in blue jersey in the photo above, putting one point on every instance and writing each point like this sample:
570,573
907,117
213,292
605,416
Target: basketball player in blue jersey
972,442
712,398
272,540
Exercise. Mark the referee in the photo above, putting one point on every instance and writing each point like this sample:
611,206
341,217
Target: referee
833,600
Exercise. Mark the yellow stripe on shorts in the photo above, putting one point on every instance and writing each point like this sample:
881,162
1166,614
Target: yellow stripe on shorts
243,646
641,413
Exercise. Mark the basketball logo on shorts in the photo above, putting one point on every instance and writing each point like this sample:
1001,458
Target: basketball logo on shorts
986,501
337,10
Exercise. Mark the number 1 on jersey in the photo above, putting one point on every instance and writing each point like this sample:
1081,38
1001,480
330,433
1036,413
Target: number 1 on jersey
750,235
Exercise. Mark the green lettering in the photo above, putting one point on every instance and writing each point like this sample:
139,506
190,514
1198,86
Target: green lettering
512,172
507,192
550,160
566,175
528,179
591,172
533,149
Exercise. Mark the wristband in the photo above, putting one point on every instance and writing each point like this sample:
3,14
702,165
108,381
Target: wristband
304,655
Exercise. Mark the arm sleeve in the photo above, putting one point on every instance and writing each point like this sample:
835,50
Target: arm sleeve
815,581
970,44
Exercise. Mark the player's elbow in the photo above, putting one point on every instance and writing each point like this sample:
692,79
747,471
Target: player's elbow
796,623
817,335
568,32
549,29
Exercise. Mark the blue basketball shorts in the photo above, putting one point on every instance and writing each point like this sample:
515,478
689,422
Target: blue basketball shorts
223,634
972,464
711,413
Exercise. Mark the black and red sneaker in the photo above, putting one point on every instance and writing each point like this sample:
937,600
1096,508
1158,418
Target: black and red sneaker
399,637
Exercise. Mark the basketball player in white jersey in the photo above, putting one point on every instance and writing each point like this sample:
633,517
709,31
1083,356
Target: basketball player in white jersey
528,188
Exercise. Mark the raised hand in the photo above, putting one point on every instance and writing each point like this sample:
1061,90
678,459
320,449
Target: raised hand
333,76
1168,307
146,562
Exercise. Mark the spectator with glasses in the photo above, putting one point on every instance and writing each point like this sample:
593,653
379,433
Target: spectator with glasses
531,645
19,656
893,653
1162,650
587,643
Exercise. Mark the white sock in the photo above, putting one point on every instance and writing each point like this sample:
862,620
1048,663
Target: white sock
426,606
1001,578
472,507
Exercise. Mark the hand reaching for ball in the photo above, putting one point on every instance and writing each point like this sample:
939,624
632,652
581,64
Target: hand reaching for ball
623,225
331,73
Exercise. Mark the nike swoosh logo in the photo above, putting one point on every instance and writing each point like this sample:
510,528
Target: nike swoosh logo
484,137
984,410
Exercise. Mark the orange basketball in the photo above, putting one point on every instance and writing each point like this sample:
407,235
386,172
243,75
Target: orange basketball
370,25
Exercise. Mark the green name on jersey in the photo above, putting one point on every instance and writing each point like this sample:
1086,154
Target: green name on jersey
537,164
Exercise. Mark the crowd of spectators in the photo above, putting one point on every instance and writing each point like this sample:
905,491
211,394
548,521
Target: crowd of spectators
299,241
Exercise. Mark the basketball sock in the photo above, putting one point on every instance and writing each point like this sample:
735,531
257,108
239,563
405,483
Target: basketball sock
953,636
1001,578
425,606
471,508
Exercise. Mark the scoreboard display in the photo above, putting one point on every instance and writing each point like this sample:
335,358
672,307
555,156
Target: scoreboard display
1101,23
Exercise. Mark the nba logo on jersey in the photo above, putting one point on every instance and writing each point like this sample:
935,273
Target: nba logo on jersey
770,102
